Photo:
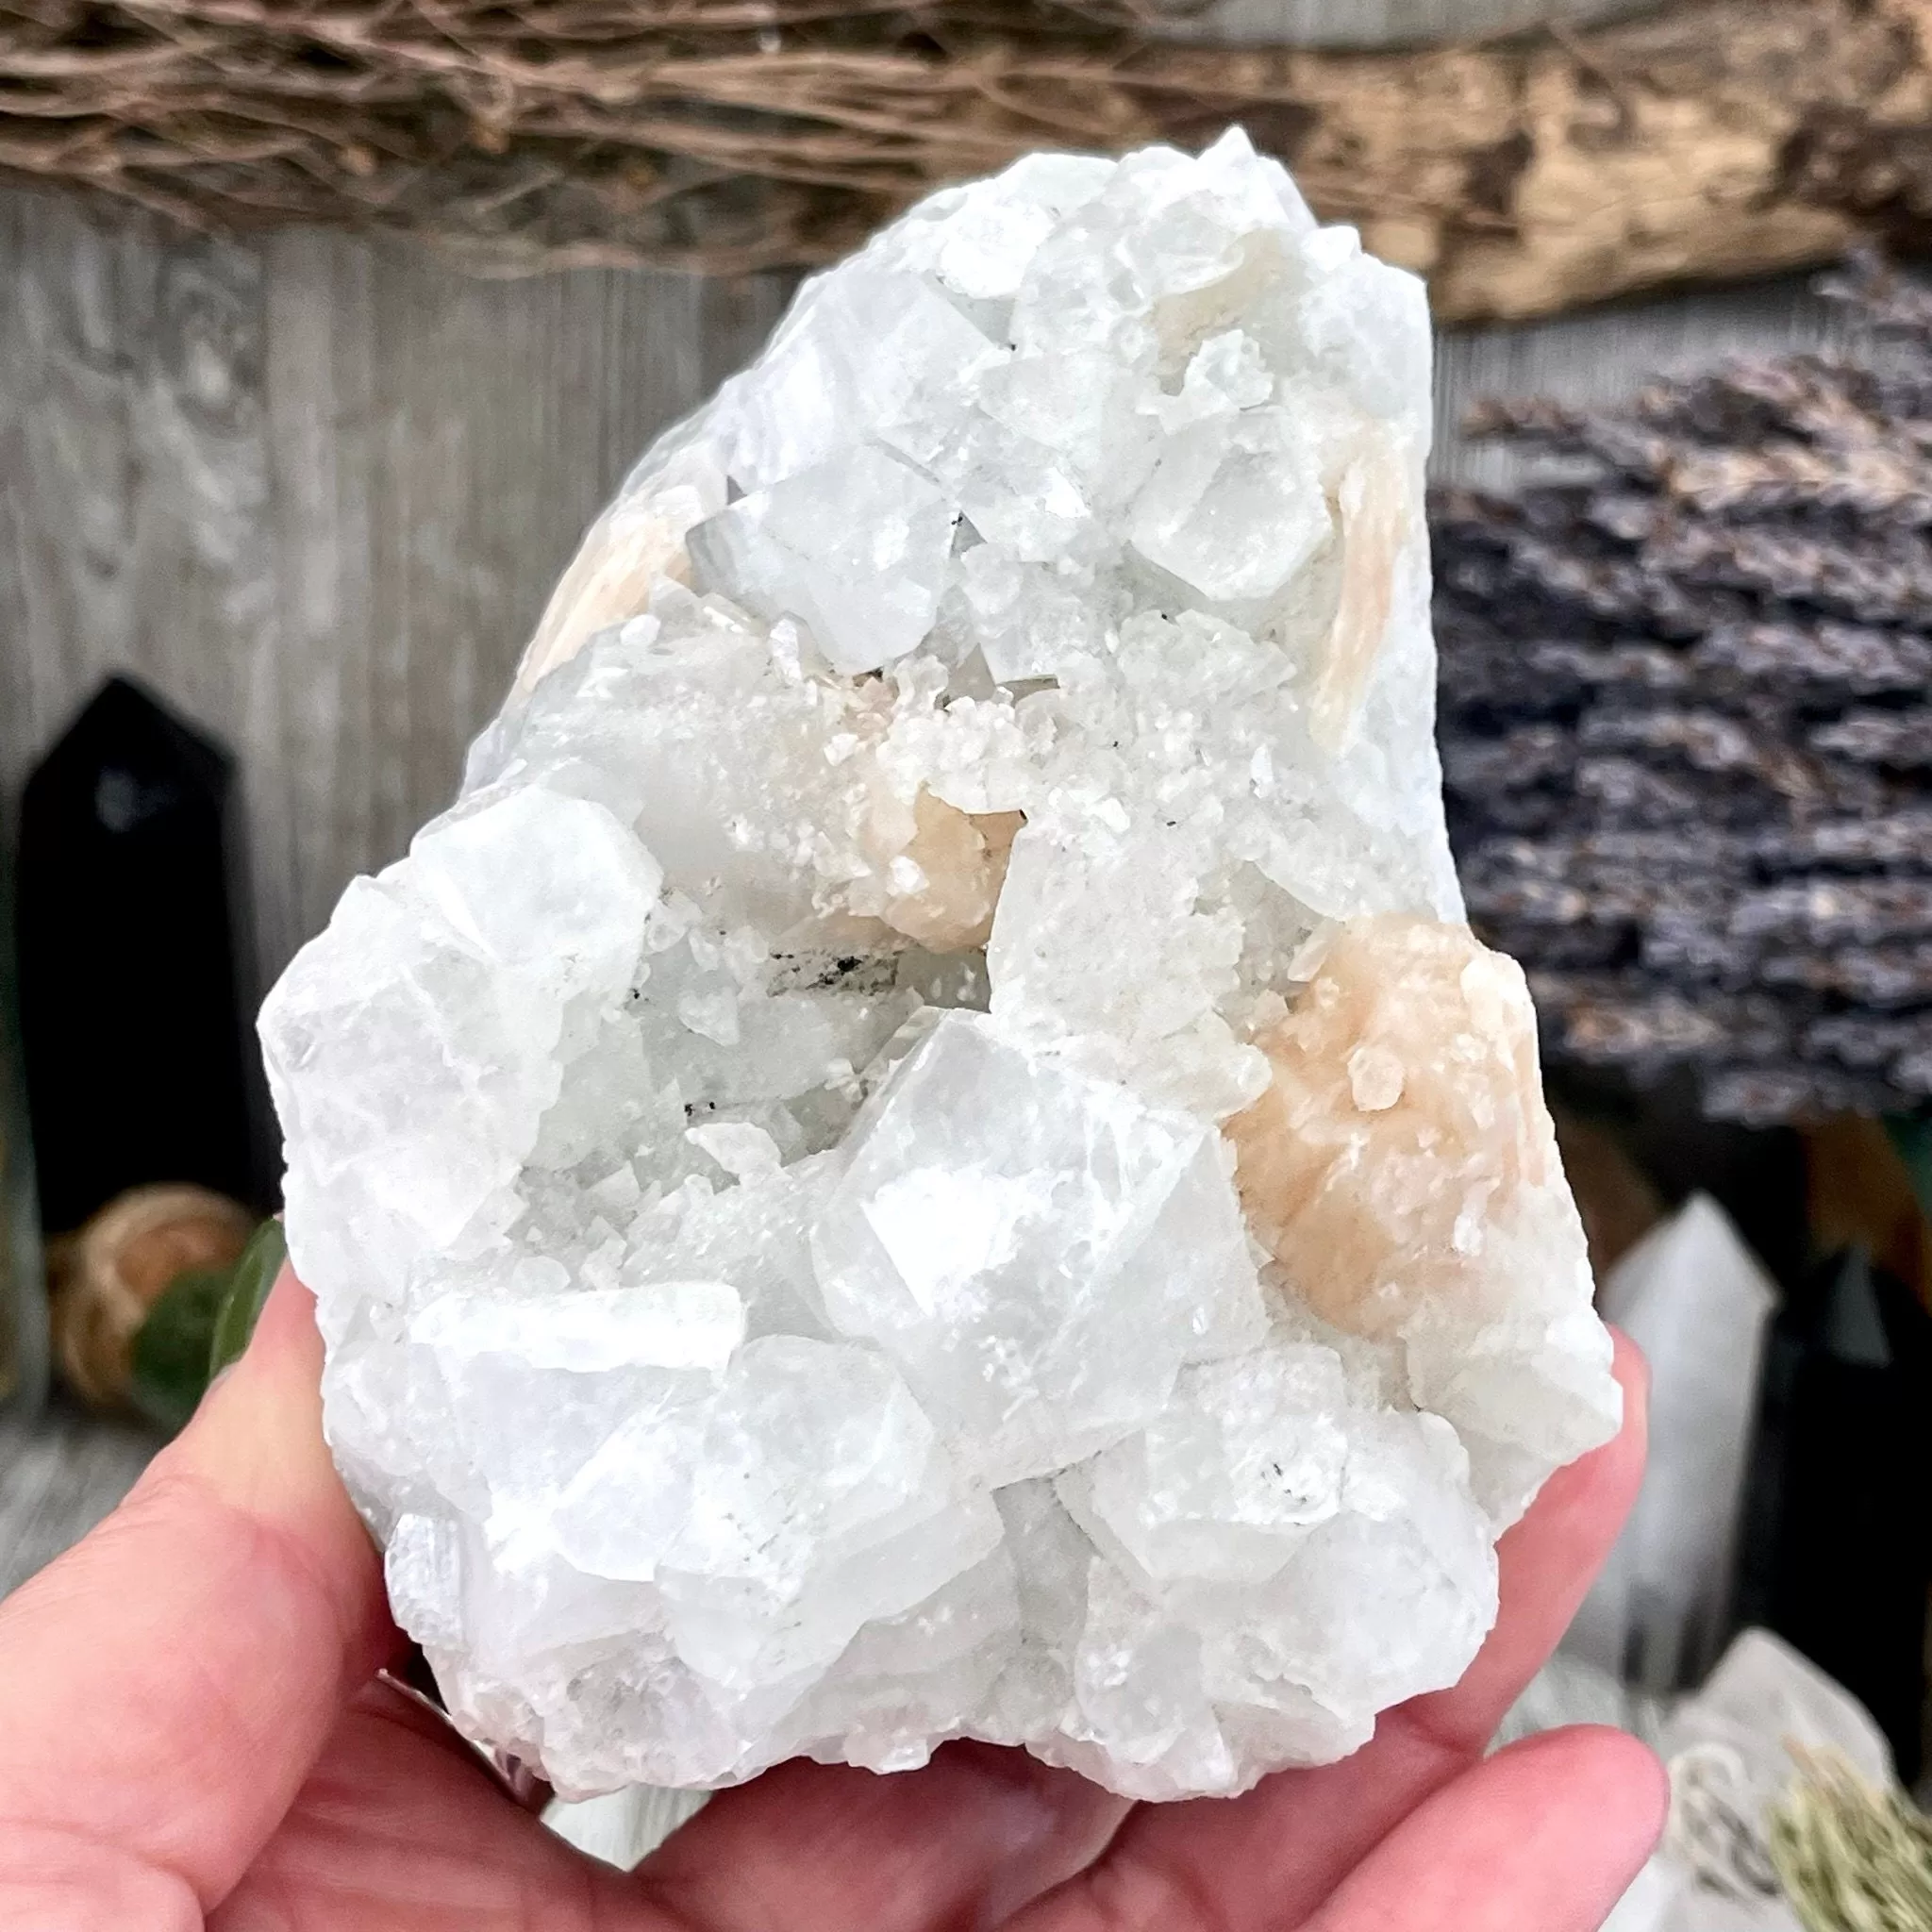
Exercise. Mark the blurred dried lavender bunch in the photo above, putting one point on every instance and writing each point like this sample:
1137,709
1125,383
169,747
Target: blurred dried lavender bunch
1686,720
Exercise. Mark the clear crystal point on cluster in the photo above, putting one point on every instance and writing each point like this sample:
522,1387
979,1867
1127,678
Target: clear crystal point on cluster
924,1153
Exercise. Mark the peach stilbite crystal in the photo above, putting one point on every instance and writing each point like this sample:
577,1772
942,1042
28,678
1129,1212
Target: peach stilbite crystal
1402,1120
1402,1170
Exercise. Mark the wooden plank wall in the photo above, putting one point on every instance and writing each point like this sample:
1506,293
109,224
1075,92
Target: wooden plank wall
314,490
1381,23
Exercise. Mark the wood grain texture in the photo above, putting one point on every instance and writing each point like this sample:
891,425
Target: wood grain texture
1594,358
1704,141
133,486
437,445
1384,23
1522,175
316,490
59,1474
313,491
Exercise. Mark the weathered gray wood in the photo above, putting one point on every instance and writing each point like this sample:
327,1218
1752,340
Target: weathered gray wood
1596,358
418,528
131,470
1384,23
315,489
437,445
58,1476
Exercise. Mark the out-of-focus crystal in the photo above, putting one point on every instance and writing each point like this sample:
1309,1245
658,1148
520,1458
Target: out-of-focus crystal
1695,1299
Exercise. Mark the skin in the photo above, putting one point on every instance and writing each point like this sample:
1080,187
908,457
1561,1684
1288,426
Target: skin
197,1735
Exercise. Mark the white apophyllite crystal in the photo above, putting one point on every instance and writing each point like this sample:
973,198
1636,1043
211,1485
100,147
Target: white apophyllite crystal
924,1152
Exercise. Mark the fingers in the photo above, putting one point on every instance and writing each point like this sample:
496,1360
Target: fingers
1549,1560
1268,1860
400,1827
1548,1834
811,1848
399,1824
169,1681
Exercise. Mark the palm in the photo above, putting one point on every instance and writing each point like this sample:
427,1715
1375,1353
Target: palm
229,1763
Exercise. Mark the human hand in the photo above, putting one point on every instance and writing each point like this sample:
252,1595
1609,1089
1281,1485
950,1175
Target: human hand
195,1734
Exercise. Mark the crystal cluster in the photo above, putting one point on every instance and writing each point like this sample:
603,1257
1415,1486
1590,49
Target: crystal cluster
924,1152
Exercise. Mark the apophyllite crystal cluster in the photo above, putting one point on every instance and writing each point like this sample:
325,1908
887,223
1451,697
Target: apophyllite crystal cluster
925,1152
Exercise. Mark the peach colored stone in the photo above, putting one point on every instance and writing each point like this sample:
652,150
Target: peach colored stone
1404,1109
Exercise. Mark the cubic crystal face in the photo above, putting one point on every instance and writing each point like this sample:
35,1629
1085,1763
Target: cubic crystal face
924,1153
997,1213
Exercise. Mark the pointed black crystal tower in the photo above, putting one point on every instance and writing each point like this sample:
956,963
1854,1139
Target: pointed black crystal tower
1839,1536
138,1053
23,1277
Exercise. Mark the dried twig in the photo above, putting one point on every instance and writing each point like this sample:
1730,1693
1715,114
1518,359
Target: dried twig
1851,1857
1719,137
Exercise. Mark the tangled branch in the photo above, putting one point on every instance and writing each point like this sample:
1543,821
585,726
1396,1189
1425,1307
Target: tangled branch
1716,138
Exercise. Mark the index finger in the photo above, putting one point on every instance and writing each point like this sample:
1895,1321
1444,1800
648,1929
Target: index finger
167,1682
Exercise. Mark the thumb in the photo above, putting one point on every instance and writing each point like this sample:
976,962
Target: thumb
169,1680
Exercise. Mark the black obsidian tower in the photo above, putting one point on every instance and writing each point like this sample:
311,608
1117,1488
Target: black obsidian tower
135,988
1839,1537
